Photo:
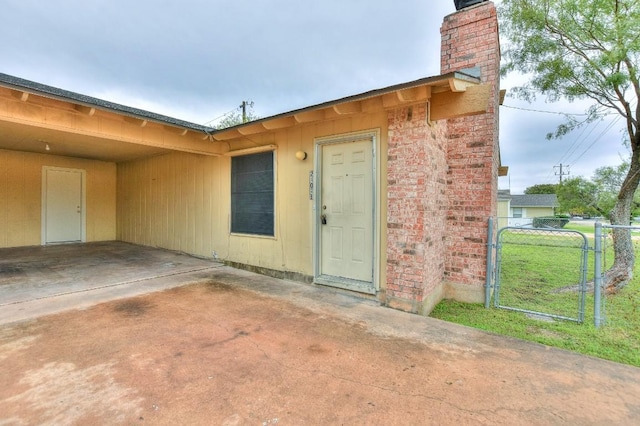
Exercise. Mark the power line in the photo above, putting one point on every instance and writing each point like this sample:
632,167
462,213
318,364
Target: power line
598,138
578,142
545,112
221,116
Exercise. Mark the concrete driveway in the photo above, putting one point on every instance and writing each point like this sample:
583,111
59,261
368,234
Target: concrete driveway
236,348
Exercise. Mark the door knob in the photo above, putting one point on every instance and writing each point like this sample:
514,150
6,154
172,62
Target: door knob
323,218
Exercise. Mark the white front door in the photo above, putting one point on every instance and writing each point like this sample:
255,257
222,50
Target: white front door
62,205
346,215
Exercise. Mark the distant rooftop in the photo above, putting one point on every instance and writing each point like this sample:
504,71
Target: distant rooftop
534,200
504,194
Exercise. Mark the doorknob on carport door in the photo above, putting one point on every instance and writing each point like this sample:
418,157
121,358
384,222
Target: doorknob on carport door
323,219
78,209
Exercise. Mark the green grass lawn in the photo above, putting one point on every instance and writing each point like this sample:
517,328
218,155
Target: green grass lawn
577,226
530,274
588,229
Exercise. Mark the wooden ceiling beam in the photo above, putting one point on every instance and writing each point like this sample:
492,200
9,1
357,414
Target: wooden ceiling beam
86,110
18,94
475,100
251,129
390,100
348,108
279,123
372,105
503,93
176,130
135,121
457,85
309,116
414,94
226,135
406,96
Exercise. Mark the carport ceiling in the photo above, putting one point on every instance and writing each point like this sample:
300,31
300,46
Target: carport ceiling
20,137
43,119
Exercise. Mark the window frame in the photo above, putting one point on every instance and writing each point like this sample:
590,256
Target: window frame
236,228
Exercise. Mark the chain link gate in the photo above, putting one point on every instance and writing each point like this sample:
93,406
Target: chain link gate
540,271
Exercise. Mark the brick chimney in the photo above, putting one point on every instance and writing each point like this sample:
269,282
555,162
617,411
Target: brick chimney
470,40
442,180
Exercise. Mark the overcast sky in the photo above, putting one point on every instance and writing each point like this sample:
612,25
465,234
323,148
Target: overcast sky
199,59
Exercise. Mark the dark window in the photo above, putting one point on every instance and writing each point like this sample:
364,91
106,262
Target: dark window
252,189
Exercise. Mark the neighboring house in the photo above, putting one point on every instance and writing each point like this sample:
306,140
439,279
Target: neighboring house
504,207
385,193
522,209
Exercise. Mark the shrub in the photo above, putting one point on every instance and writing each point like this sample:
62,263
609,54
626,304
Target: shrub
550,222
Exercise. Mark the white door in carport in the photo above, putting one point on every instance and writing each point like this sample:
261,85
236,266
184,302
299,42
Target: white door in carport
62,205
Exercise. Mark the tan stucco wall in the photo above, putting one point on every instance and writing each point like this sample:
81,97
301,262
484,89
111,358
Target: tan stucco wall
537,211
503,213
503,208
21,197
182,201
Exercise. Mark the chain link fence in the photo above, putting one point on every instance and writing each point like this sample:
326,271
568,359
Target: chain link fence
610,309
533,222
540,269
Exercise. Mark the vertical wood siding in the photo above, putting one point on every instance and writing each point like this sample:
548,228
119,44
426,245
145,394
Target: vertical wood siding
182,201
21,196
170,201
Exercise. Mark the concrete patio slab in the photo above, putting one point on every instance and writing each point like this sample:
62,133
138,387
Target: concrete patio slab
42,280
237,348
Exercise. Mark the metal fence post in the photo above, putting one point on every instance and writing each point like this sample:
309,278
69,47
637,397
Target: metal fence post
597,275
487,285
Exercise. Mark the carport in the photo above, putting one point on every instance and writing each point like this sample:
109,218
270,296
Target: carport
42,280
60,153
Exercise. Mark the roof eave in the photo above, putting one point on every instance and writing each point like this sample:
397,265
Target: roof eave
43,90
454,82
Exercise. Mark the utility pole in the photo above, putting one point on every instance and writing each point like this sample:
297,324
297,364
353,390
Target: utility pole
244,109
562,172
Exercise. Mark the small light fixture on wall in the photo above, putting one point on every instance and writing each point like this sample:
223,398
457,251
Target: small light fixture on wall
47,147
301,155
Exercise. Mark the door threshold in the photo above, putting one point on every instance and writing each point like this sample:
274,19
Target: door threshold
346,284
60,243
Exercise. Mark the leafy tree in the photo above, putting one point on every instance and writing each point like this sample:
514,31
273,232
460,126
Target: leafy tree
584,49
611,178
579,196
597,196
542,188
237,117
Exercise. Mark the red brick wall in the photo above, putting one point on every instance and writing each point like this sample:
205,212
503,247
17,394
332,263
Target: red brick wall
470,39
442,178
417,205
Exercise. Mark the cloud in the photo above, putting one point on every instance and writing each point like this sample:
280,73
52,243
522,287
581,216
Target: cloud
198,59
282,54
